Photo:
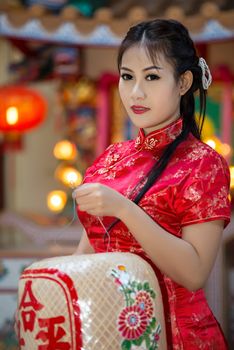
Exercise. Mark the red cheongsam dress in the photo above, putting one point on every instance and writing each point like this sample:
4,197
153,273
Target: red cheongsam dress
193,188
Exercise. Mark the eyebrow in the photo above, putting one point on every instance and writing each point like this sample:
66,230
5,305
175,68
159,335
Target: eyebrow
145,69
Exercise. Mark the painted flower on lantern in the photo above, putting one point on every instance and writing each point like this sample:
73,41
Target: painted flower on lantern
156,336
132,322
121,276
136,322
144,301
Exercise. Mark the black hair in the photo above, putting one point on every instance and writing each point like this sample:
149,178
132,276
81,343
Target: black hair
172,39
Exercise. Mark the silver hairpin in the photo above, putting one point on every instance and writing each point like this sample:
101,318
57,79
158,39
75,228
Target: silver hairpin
206,75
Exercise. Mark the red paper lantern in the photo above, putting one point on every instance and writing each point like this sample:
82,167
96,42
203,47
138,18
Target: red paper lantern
21,109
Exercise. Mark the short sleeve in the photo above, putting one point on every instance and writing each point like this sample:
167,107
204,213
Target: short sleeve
204,196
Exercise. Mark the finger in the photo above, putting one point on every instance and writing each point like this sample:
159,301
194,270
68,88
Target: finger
90,200
95,212
91,206
87,208
84,190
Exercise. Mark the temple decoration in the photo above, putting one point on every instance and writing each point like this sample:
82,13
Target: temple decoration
78,100
77,150
54,5
92,118
52,62
104,22
77,120
85,7
111,116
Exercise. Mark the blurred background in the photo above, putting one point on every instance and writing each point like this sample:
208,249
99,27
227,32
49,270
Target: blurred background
59,109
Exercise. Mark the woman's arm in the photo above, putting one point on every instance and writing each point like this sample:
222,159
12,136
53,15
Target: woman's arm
187,261
84,246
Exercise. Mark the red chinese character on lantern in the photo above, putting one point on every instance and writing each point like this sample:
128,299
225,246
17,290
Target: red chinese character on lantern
28,307
53,334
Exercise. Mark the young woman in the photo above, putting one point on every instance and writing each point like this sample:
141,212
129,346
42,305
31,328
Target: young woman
164,195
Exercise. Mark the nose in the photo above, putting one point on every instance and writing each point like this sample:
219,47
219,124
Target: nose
138,92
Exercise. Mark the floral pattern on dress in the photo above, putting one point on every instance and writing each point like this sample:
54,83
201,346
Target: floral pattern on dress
151,143
197,153
136,322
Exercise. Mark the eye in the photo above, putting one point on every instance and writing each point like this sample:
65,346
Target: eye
126,76
152,77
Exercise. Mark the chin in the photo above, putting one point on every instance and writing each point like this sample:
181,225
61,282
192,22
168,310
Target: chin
144,125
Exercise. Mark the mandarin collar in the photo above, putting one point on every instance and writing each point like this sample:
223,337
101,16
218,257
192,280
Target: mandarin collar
158,138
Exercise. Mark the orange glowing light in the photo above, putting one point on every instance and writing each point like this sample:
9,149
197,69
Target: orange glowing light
21,108
56,200
68,175
65,150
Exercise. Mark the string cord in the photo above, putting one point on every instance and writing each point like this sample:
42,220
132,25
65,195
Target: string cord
106,235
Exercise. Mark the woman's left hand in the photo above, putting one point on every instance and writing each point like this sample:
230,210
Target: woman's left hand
99,200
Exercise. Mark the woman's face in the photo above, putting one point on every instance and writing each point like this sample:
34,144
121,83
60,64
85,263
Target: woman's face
149,92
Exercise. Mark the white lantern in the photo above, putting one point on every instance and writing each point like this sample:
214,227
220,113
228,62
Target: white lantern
91,302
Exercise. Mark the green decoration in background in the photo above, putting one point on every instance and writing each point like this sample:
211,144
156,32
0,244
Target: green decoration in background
213,111
87,7
212,125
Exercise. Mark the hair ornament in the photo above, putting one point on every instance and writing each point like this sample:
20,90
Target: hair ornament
206,75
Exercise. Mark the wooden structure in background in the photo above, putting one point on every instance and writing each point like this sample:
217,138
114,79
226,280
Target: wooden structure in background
206,20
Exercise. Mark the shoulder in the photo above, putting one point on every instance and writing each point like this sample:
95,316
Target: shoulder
201,156
196,163
202,194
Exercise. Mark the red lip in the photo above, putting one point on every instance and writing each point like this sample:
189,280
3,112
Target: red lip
139,109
